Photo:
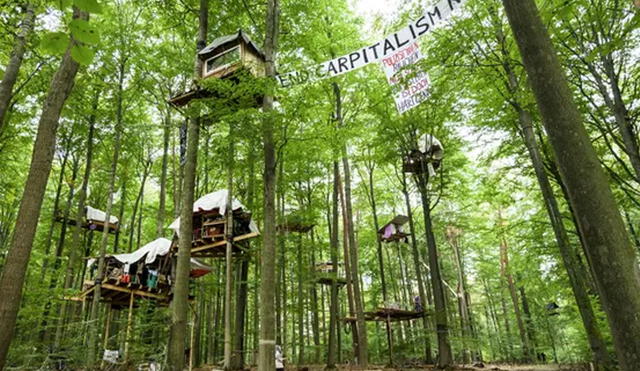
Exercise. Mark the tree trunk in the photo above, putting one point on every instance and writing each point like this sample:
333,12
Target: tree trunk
372,200
228,293
15,61
416,261
138,203
266,355
53,283
56,207
13,274
241,310
74,253
606,239
335,241
93,325
576,274
163,176
505,270
445,356
453,234
180,303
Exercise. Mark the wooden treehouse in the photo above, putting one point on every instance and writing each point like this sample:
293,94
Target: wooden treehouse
225,58
393,231
426,158
210,227
147,273
94,220
325,275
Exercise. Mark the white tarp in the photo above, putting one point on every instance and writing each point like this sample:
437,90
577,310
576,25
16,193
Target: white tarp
150,252
432,18
212,201
433,149
99,215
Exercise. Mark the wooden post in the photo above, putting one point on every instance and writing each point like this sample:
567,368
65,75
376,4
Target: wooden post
129,322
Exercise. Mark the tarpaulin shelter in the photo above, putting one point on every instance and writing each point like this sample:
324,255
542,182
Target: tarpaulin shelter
210,225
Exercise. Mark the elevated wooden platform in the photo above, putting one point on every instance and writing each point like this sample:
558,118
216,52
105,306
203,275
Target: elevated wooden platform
390,315
204,248
90,225
118,295
328,279
295,227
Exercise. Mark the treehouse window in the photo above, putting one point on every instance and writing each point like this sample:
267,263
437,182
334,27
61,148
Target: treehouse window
222,61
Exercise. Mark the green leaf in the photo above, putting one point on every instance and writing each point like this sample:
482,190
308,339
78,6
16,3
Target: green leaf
91,6
84,31
82,54
54,43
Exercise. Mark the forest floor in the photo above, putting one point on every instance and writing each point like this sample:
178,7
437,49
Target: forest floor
487,367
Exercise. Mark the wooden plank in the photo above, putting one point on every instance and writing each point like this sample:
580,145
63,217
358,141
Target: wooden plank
135,292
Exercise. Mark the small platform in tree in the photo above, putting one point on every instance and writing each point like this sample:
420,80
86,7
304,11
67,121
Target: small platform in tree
94,220
392,231
389,315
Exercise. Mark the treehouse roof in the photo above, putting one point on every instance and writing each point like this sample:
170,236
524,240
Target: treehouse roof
224,42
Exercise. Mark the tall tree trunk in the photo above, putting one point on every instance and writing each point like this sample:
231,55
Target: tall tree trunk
376,225
453,235
138,203
266,355
56,207
445,356
300,299
416,261
335,241
241,310
53,282
180,303
606,240
93,318
13,274
74,253
163,176
15,61
228,293
577,275
505,270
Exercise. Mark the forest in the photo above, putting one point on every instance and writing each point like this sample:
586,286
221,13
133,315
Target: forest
320,184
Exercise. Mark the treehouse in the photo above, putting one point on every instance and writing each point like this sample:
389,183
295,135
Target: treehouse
225,58
94,220
147,273
393,231
426,158
324,274
210,227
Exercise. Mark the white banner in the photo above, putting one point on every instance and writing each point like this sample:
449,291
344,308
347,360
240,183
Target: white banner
410,87
435,16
